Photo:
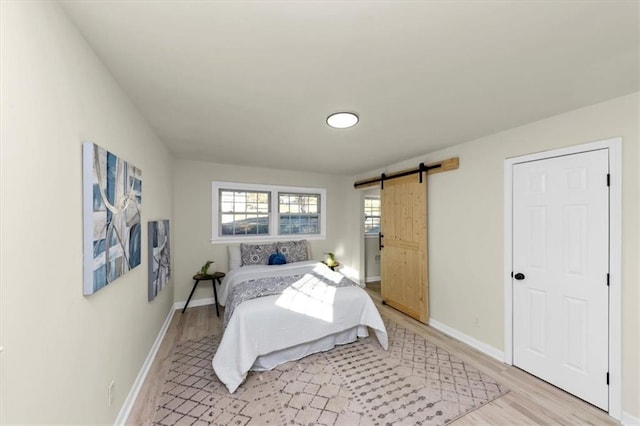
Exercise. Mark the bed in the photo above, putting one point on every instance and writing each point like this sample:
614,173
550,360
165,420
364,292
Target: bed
305,308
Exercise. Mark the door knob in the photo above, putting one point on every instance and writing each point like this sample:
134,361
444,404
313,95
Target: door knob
519,276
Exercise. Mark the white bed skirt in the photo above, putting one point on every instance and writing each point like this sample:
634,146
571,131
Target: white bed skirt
272,360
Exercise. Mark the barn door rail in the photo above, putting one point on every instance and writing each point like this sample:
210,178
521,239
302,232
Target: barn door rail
437,167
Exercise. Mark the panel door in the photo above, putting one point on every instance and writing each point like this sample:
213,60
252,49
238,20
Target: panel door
561,247
403,265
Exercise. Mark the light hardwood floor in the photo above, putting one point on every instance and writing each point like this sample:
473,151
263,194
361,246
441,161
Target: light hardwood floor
530,400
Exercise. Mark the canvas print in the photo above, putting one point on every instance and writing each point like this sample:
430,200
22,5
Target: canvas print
159,256
112,197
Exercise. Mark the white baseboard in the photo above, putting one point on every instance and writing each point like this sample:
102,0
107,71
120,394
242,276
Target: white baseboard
474,343
194,303
629,420
123,415
371,279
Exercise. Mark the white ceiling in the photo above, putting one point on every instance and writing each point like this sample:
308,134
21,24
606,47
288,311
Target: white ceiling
252,82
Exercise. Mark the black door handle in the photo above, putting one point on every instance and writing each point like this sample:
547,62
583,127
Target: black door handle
380,241
519,276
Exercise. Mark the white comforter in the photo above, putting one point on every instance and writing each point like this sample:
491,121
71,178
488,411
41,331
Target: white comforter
304,313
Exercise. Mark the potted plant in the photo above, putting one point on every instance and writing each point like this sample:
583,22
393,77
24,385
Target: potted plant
205,268
331,260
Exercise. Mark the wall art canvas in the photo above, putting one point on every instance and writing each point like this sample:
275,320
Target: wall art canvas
112,198
159,256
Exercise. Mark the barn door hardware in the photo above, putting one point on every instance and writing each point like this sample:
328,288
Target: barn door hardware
437,167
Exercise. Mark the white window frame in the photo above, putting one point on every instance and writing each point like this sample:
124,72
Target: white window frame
274,218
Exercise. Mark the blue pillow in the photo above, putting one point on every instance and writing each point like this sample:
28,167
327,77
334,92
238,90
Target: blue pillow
277,259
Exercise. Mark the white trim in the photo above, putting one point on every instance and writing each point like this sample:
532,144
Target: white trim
614,146
371,279
274,233
125,410
464,338
629,420
508,261
193,303
615,270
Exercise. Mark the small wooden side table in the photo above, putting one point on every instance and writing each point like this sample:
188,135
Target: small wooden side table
216,276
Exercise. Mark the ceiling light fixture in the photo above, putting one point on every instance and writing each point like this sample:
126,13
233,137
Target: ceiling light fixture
342,120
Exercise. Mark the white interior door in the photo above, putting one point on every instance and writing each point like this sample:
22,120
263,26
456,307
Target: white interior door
561,266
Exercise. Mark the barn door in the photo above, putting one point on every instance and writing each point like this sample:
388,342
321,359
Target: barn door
561,266
403,266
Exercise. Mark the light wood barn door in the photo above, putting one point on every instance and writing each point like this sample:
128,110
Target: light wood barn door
404,278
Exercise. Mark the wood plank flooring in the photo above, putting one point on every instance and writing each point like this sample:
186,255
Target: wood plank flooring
530,401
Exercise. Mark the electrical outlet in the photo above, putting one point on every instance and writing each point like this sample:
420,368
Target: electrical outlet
377,258
476,321
111,392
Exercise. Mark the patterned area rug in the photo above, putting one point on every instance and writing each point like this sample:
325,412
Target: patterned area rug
413,383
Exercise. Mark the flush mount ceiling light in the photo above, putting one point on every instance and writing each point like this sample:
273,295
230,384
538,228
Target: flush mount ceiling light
342,120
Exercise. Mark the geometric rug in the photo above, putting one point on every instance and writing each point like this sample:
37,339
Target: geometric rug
413,383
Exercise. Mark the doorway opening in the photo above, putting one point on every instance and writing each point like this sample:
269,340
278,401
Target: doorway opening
372,217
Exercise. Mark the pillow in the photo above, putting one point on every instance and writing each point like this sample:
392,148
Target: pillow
294,251
235,260
277,259
256,254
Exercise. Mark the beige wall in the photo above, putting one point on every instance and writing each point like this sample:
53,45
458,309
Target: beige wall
466,224
192,189
61,349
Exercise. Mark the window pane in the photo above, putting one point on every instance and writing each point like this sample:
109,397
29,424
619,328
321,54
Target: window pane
292,224
241,224
371,215
244,212
299,213
372,225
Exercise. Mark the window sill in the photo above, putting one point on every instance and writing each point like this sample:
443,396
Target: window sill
266,239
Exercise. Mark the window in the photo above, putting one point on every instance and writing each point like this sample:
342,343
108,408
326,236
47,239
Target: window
371,215
249,212
244,212
299,213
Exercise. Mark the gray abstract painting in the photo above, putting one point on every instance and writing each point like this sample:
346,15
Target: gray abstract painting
159,256
112,198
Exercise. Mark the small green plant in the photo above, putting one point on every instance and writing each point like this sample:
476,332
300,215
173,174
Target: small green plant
205,268
331,259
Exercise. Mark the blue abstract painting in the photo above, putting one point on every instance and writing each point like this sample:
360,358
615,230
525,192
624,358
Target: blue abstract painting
112,197
159,256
